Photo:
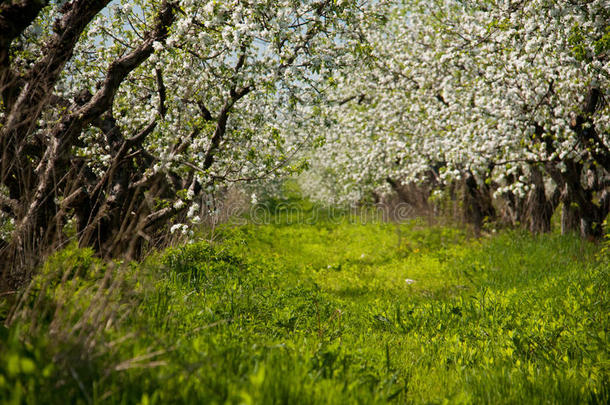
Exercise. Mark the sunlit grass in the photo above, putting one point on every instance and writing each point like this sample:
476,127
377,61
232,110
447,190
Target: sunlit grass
333,312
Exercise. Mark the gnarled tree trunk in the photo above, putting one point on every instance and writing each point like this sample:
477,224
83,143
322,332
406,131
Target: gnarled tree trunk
43,177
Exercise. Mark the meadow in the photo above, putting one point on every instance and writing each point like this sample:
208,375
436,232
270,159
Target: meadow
333,312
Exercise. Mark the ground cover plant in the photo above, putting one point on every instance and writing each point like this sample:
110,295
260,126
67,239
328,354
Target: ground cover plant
334,311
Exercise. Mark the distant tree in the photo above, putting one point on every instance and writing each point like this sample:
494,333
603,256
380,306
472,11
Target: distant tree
511,97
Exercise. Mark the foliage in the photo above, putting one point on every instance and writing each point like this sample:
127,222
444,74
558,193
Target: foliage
330,312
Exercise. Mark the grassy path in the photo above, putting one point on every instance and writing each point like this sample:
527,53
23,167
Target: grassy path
338,313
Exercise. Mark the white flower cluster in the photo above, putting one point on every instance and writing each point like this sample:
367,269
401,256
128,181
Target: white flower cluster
464,85
242,81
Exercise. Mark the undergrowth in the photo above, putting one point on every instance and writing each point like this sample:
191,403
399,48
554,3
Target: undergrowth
330,312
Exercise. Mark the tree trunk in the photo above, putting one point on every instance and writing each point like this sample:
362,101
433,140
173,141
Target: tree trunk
45,181
513,211
582,214
539,208
415,195
570,220
478,207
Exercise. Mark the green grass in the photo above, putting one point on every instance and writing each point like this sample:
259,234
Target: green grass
318,313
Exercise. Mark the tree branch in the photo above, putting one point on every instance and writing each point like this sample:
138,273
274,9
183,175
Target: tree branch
162,92
15,17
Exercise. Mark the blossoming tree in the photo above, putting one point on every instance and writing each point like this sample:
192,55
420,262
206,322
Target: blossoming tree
116,117
507,96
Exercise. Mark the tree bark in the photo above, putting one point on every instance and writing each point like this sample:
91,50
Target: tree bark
539,208
38,186
583,214
478,207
